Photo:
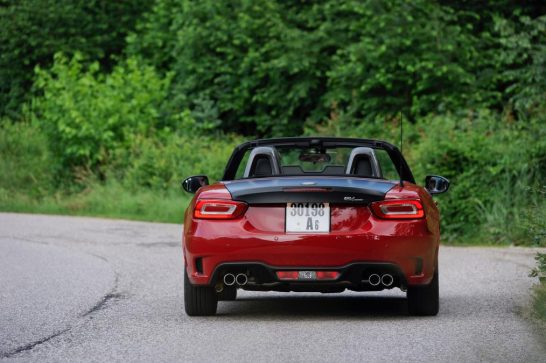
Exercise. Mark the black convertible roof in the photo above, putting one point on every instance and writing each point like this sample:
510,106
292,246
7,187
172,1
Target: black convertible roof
312,141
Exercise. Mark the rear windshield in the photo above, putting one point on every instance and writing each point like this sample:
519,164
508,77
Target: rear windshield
302,161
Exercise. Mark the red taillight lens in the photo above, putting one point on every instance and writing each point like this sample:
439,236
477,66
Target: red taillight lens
287,275
219,209
327,275
398,209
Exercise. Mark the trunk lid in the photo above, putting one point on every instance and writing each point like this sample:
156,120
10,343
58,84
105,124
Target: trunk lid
346,190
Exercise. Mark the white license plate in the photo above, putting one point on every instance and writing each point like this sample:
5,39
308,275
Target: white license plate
307,217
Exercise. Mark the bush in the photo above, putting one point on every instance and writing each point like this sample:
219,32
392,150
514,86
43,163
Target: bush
534,226
540,290
160,163
26,165
101,125
87,115
495,166
103,199
491,167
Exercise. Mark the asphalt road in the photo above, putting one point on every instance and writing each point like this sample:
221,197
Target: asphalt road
86,289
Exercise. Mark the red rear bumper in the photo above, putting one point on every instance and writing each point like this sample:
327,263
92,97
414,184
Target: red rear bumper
407,244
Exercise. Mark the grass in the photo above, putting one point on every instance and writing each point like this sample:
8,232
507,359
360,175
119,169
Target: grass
110,201
539,303
539,298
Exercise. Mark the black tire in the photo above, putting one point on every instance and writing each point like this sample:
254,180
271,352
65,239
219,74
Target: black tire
229,293
425,300
199,300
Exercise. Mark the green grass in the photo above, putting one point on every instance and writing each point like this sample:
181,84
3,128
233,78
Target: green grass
538,314
110,201
539,303
539,298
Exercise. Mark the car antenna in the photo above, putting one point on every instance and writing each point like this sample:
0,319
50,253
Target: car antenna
401,157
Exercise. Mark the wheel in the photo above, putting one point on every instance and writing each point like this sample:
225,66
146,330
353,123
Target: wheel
425,300
227,294
199,300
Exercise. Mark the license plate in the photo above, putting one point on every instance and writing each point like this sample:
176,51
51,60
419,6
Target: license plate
307,275
307,217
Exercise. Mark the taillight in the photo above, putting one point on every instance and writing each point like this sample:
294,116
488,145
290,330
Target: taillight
287,275
398,209
219,209
327,275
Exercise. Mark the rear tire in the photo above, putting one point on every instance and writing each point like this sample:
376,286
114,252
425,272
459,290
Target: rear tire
228,294
425,300
199,300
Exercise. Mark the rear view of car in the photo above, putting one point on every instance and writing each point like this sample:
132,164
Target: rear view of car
312,214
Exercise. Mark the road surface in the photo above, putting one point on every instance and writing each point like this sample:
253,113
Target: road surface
87,289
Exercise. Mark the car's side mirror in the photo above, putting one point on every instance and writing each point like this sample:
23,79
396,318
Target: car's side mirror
193,183
436,184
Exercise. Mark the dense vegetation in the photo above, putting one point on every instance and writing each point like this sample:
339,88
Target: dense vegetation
539,298
106,105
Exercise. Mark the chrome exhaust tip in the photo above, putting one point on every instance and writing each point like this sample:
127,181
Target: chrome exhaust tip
229,279
241,279
374,279
387,280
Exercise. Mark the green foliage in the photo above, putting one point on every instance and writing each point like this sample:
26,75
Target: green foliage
540,302
540,270
491,167
534,226
33,31
26,165
268,67
248,61
416,57
142,182
540,290
87,115
494,165
523,53
154,38
160,163
110,199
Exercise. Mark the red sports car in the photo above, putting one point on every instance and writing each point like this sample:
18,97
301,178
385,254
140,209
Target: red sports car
312,214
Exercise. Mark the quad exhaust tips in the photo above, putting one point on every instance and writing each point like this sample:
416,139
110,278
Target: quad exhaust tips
241,279
385,279
231,279
374,279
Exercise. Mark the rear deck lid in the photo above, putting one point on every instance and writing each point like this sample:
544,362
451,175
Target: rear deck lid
349,190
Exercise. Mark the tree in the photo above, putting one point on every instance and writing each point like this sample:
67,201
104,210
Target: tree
33,31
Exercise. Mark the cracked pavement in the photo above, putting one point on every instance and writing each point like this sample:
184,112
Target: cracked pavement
90,289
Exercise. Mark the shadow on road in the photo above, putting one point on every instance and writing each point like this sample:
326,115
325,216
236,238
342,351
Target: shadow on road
310,306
